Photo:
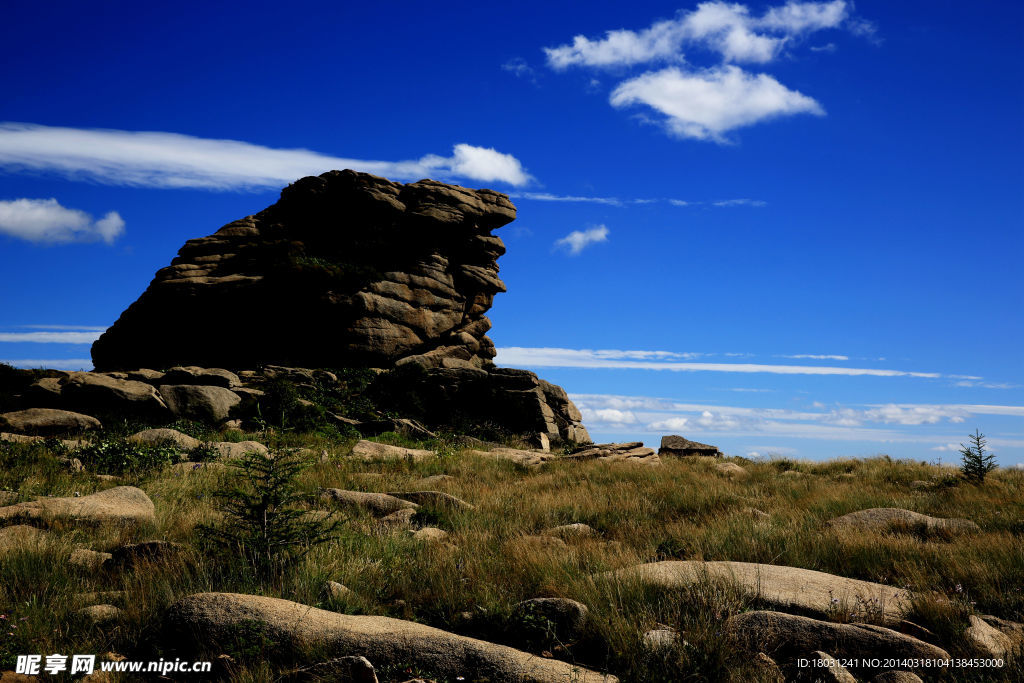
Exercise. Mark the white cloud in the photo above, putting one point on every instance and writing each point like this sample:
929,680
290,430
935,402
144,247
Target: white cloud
51,337
548,197
171,160
609,416
80,328
816,356
740,202
513,356
728,29
672,424
45,221
947,447
58,364
519,68
705,105
577,240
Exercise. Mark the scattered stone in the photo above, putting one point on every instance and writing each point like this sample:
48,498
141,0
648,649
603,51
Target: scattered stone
786,588
888,519
232,425
633,451
731,470
99,392
400,518
336,591
48,422
231,450
121,504
434,498
768,671
660,639
8,497
146,551
430,535
88,559
434,480
207,404
565,619
20,536
336,670
210,617
987,640
194,375
378,504
793,635
678,446
828,670
371,450
897,677
162,437
515,455
571,531
101,615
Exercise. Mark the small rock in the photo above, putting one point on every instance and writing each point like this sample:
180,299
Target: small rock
569,531
731,470
230,450
768,671
435,498
660,639
101,615
378,504
8,497
336,591
48,421
828,670
371,450
434,480
163,437
987,640
88,559
561,617
208,404
430,535
399,518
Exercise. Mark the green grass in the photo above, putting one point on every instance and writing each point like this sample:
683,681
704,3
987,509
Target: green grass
681,510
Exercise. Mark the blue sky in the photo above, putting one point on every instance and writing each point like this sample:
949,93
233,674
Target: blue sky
789,228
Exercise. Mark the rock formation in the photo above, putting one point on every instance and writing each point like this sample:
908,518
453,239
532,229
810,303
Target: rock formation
345,270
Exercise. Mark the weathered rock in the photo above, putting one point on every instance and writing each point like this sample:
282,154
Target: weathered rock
20,536
145,375
678,446
398,518
987,640
211,617
784,588
430,535
660,639
371,450
828,670
794,635
231,450
732,470
633,451
101,615
563,618
121,504
569,531
435,498
888,519
48,422
162,437
193,375
768,671
208,404
8,497
435,480
88,559
378,504
515,455
336,591
103,394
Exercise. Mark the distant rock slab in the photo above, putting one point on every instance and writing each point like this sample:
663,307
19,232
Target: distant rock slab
784,588
213,617
633,451
886,519
682,447
379,504
119,505
48,422
371,450
163,437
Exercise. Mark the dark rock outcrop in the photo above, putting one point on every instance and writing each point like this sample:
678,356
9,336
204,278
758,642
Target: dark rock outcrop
345,270
683,447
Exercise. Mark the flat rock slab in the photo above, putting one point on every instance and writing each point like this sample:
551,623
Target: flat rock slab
435,498
213,617
232,450
48,421
632,451
378,504
784,588
515,455
119,505
796,636
886,519
162,437
371,450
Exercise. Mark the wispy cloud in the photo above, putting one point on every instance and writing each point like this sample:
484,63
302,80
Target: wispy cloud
45,221
707,104
728,29
608,359
52,364
616,201
548,197
578,240
815,356
740,202
172,160
518,67
51,337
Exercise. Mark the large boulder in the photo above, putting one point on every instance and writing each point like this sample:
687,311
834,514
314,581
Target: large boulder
897,519
48,422
121,504
215,377
200,401
215,617
683,447
794,636
106,394
378,504
785,588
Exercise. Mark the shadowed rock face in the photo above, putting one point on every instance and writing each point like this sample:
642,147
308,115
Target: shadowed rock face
346,269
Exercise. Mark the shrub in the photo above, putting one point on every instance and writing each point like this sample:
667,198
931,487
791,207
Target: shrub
121,456
976,462
264,521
